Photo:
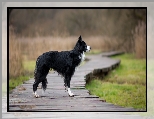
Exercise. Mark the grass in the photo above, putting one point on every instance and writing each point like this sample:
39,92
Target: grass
124,86
58,44
29,66
17,81
130,71
93,51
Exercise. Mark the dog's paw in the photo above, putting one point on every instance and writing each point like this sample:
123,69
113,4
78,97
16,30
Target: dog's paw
71,95
36,95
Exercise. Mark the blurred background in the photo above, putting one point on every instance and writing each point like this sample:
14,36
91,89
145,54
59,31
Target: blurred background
34,31
112,22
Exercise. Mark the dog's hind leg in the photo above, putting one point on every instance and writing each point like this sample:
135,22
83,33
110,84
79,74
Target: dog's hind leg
44,79
35,85
44,85
40,77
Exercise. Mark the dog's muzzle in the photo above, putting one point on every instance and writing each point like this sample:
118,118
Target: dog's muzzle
88,48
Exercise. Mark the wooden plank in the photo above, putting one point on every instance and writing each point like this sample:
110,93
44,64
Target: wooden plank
56,98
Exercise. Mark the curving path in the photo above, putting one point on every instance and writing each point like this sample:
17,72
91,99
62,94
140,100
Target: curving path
56,99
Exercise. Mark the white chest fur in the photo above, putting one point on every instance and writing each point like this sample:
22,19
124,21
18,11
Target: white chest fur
82,57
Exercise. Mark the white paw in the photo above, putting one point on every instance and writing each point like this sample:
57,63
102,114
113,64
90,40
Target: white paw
70,93
36,95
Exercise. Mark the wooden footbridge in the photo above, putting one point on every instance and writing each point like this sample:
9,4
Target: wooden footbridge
56,99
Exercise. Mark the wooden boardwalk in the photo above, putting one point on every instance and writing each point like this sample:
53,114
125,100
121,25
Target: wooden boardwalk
56,99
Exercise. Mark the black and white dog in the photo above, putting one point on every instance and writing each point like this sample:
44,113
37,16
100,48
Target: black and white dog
63,62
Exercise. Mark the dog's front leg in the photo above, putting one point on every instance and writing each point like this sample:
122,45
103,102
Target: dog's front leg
65,84
69,90
70,93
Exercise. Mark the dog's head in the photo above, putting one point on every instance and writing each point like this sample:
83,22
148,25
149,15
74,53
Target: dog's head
82,46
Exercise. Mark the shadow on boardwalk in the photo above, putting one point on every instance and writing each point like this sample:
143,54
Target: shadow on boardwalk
56,99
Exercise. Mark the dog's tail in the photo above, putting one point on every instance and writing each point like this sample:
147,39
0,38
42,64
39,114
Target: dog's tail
35,71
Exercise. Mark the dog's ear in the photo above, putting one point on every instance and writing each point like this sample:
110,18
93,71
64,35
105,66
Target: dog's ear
80,39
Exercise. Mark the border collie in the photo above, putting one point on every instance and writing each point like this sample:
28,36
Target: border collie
63,62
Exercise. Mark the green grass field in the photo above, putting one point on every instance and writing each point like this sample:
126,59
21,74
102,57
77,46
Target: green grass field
29,67
13,82
125,85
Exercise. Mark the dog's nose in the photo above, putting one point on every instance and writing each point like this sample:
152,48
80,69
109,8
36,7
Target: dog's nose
89,48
